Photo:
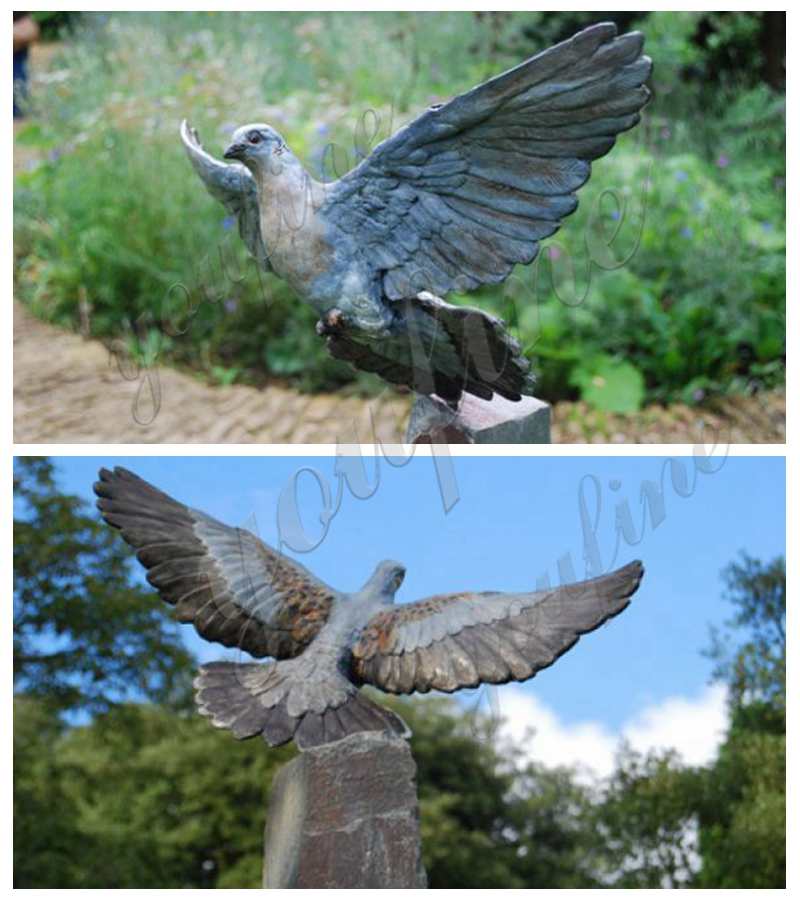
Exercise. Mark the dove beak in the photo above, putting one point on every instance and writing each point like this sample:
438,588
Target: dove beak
235,151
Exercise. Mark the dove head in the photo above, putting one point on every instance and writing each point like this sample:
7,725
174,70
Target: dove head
260,148
386,579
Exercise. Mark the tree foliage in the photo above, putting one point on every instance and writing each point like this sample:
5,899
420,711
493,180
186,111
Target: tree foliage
86,634
646,818
754,668
147,796
489,818
743,810
721,825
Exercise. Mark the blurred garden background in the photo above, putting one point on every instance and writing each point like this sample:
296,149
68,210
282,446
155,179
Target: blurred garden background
118,783
666,288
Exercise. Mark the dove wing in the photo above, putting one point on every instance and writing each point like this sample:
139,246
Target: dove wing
467,190
462,640
234,187
234,588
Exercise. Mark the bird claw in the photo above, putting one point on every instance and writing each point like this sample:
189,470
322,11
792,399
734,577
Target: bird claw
331,322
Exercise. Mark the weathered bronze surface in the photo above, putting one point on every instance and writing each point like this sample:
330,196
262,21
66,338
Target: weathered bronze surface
452,201
324,643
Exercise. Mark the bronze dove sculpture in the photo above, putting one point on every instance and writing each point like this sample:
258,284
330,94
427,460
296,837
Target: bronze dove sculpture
453,200
326,644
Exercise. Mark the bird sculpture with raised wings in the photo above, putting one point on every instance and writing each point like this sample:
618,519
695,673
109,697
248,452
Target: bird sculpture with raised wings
324,643
453,200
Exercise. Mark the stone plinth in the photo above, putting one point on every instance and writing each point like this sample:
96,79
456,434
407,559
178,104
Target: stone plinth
345,815
476,421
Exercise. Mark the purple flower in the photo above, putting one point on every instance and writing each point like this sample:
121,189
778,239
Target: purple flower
698,394
767,226
322,129
680,175
686,231
615,215
231,305
554,252
723,161
54,155
228,222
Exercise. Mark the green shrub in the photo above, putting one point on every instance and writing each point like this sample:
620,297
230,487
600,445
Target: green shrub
696,308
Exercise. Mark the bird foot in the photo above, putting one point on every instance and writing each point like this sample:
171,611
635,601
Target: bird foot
331,322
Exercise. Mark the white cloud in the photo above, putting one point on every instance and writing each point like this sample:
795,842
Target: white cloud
694,726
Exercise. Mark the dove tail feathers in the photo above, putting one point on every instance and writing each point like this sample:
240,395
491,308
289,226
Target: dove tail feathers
224,694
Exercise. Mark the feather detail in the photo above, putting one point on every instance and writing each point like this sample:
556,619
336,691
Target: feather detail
460,640
515,148
231,586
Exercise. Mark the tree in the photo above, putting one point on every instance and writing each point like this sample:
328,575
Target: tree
755,669
48,844
743,809
145,796
647,818
490,818
86,635
657,814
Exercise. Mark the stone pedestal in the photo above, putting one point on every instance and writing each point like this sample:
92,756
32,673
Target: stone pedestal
345,815
476,421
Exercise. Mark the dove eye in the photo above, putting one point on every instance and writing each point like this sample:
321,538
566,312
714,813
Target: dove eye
254,137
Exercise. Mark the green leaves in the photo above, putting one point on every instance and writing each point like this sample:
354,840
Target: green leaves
86,635
609,384
646,811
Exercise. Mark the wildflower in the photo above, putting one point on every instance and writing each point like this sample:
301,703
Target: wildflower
723,161
554,252
615,215
686,231
231,305
228,222
680,175
698,394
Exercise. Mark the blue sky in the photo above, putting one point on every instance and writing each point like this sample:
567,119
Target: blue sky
513,521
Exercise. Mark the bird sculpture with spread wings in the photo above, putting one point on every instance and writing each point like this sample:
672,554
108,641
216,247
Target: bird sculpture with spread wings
325,644
452,201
